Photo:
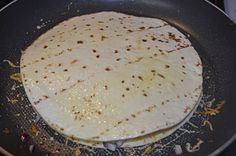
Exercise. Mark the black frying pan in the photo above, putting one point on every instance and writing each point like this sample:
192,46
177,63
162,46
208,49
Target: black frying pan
211,32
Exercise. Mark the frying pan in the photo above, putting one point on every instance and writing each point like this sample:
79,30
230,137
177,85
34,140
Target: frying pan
211,32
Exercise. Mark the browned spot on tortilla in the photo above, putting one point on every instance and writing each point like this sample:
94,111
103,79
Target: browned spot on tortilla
84,67
103,37
115,51
92,36
160,75
133,115
123,95
94,50
65,70
187,108
69,49
167,66
119,122
142,132
36,71
97,56
118,59
42,58
129,30
107,69
144,94
106,87
127,89
141,28
162,103
140,78
45,77
45,46
88,25
123,81
144,40
74,61
63,90
80,42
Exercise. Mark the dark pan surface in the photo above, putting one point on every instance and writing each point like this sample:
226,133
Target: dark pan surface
210,31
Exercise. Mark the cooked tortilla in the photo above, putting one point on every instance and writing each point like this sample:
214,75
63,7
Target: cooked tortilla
110,76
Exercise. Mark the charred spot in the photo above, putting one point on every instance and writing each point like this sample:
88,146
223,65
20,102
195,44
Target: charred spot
142,132
154,38
97,56
84,67
118,59
148,48
88,25
141,28
101,29
127,89
167,100
184,73
45,46
63,90
58,45
182,58
53,72
162,103
45,97
160,75
123,81
155,54
153,71
144,40
45,77
36,71
130,30
145,94
107,26
119,122
42,58
125,27
167,66
36,81
140,78
183,66
107,69
69,49
106,87
127,119
91,36
103,37
182,80
133,115
116,51
59,64
110,19
65,70
123,95
128,49
94,51
80,42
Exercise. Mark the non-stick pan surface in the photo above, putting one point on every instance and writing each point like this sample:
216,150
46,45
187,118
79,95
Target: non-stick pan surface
211,32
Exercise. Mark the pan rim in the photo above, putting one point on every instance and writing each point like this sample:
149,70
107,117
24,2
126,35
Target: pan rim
233,137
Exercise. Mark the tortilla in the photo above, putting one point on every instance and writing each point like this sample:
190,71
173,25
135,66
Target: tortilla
110,76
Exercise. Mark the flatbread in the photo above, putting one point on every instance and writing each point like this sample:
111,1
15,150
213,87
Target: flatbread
110,76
